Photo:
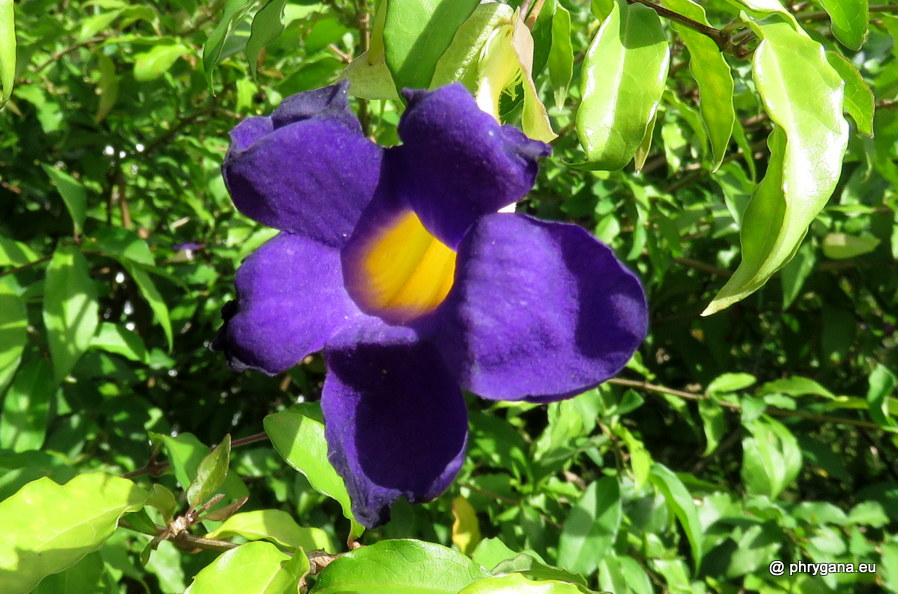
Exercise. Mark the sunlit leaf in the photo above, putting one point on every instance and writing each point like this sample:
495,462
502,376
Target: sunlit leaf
561,55
211,473
233,12
277,526
859,101
26,407
257,567
883,384
460,61
152,64
115,338
591,526
622,82
465,528
50,527
13,335
71,311
841,246
73,195
849,19
771,457
680,501
392,566
268,24
7,50
515,583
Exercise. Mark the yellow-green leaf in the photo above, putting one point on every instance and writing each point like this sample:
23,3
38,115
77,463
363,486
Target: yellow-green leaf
277,526
465,528
7,50
257,567
849,20
859,101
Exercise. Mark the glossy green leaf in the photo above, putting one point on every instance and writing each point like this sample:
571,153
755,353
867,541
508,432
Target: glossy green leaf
73,195
590,527
841,246
257,567
771,457
680,501
13,333
712,73
803,96
416,33
849,21
211,473
460,61
268,24
71,312
152,64
859,101
50,527
26,407
883,384
108,87
277,526
186,453
298,436
115,338
233,12
622,82
515,583
7,50
561,55
399,567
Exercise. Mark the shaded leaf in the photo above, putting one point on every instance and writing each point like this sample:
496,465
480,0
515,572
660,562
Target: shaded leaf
883,384
26,408
591,526
268,24
841,246
561,55
73,195
859,100
211,473
13,332
108,87
680,501
232,14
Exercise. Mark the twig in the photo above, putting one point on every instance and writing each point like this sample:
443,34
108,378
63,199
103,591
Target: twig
721,38
153,468
777,412
25,266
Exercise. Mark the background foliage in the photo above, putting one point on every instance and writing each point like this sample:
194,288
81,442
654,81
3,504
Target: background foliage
765,431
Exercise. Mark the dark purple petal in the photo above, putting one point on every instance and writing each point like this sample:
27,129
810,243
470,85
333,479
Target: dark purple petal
290,301
395,420
458,163
312,177
329,102
539,310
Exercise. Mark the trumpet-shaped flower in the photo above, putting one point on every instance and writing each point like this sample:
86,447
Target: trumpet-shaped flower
397,264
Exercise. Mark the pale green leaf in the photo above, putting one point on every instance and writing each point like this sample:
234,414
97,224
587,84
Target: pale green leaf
561,55
73,195
859,101
622,82
152,64
298,436
883,384
71,311
399,567
7,50
416,33
591,527
803,96
515,583
257,567
712,73
841,246
461,60
849,20
13,333
108,87
26,408
277,526
50,527
680,501
731,382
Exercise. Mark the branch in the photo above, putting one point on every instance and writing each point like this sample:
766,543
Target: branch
720,37
777,412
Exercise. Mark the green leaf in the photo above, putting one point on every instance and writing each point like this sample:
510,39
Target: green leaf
13,332
771,457
298,436
712,73
115,338
622,82
713,423
257,567
416,33
803,96
122,244
731,382
840,246
859,101
796,272
561,55
795,386
71,312
211,473
26,407
15,253
96,23
397,567
50,527
591,527
163,500
277,526
148,289
882,385
7,50
268,24
680,501
186,453
461,60
528,565
152,64
849,21
73,195
107,86
232,14
515,583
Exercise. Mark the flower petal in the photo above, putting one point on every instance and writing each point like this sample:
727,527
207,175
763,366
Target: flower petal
395,420
304,171
458,163
328,102
290,300
539,310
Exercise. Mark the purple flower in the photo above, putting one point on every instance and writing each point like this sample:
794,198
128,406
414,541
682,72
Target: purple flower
397,264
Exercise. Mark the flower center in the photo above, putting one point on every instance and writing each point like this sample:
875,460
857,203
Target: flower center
402,272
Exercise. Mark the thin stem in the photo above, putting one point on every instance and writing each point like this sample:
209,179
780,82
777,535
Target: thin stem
721,38
777,412
154,468
25,266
